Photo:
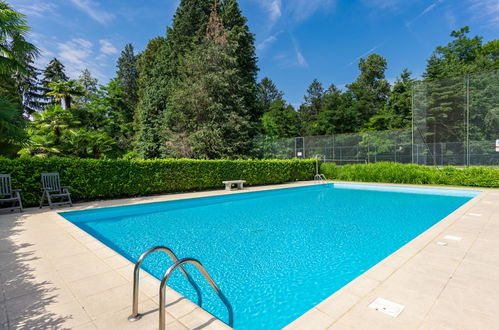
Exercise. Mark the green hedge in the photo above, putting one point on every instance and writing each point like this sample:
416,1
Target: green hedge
413,174
92,179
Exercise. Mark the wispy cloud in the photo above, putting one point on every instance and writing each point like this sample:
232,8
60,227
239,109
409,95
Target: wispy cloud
486,11
107,48
92,9
423,13
355,60
267,41
294,58
300,10
273,9
382,4
300,59
39,8
78,54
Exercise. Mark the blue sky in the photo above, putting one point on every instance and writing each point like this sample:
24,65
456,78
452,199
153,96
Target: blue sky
296,40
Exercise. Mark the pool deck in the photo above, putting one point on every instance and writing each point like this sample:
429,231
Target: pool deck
54,275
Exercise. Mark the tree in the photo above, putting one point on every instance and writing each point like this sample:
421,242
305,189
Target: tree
152,99
239,34
89,85
281,121
268,93
185,36
207,115
128,76
312,107
370,91
53,73
15,50
461,56
16,56
65,91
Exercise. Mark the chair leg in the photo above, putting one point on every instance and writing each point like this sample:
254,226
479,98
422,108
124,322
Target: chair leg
50,201
41,201
20,203
70,201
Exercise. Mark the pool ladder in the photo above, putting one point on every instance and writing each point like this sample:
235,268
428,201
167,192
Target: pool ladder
177,263
320,178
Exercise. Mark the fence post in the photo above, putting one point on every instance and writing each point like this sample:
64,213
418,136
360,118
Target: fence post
467,163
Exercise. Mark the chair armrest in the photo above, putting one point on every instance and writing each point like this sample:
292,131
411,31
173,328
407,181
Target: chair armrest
65,188
16,190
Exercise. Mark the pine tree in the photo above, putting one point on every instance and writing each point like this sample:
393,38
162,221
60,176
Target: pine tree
53,73
312,107
207,115
187,33
268,93
152,94
128,76
89,84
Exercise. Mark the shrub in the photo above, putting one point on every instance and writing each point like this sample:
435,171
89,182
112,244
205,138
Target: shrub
413,174
92,179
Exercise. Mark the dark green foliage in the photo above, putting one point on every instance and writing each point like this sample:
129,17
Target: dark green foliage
53,73
310,110
413,174
461,56
207,116
167,73
95,179
280,121
153,84
90,88
128,76
268,93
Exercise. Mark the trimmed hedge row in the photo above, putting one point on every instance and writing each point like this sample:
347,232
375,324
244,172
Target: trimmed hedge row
92,179
413,174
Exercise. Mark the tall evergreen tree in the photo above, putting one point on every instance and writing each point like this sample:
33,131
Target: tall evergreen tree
128,75
268,93
188,31
207,115
312,107
89,84
152,99
53,73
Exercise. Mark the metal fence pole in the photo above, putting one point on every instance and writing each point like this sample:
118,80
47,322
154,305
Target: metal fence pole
467,120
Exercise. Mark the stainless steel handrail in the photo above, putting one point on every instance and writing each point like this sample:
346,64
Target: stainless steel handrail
135,304
164,281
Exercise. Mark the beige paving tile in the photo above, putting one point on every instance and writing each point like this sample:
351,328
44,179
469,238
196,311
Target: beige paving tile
199,319
111,300
97,283
313,319
116,261
338,304
119,320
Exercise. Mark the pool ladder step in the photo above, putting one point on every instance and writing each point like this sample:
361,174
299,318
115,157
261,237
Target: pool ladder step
320,178
177,263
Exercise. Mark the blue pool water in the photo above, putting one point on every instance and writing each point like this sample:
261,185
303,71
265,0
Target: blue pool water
275,254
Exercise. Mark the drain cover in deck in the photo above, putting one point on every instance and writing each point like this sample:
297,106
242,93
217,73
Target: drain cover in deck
387,307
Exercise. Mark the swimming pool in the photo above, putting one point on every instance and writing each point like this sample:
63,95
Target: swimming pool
276,253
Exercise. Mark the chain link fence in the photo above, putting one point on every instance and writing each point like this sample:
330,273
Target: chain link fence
455,122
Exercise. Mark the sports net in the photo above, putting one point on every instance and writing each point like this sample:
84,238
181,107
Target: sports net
455,122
